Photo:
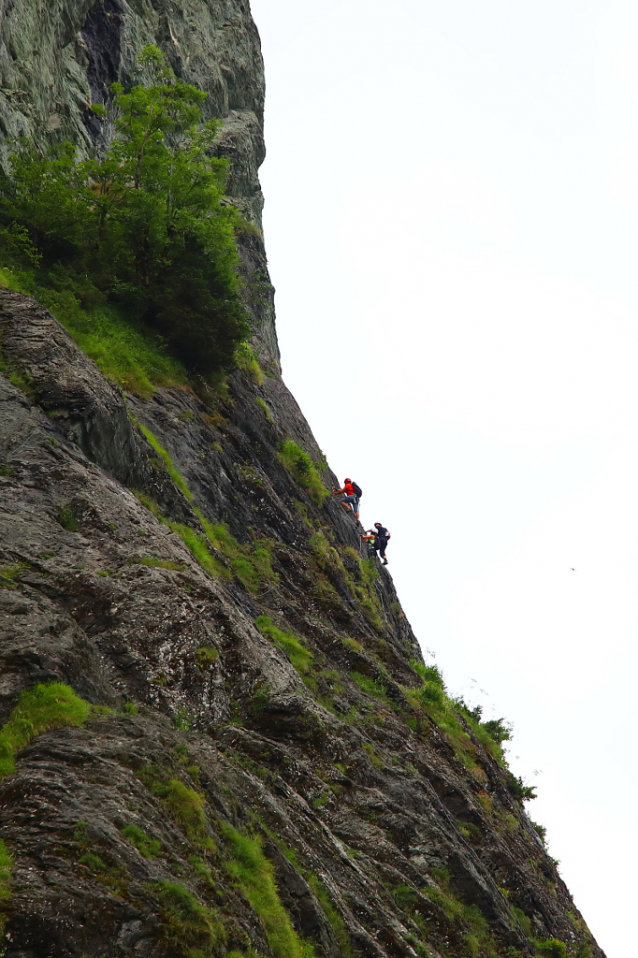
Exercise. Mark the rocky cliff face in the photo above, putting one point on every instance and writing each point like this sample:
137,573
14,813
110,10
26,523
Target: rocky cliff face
57,57
258,771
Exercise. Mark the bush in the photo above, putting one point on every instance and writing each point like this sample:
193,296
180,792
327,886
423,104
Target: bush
551,948
144,229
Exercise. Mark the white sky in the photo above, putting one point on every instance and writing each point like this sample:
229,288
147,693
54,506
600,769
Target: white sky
452,225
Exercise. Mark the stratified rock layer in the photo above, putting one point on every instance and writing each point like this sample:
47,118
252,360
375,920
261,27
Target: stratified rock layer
361,787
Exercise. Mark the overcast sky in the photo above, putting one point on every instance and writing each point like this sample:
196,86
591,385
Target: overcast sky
452,226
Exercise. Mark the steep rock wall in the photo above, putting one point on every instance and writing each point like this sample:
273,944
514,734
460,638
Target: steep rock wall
385,840
360,798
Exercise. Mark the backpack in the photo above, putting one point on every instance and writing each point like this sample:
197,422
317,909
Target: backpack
357,490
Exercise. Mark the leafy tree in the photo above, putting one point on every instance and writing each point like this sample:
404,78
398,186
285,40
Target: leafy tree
145,227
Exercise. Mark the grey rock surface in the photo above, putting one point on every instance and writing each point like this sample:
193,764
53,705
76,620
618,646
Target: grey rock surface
386,839
359,796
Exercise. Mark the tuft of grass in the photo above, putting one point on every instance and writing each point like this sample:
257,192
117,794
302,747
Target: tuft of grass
174,473
205,656
245,359
303,469
188,928
10,572
38,709
374,758
148,847
6,863
370,686
263,405
255,879
67,519
250,563
184,805
197,545
131,708
299,656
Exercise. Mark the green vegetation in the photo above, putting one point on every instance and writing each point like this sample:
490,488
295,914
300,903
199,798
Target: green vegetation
5,881
372,755
303,469
188,928
205,656
550,948
136,245
246,360
322,894
292,645
250,563
10,572
67,519
148,847
38,709
255,879
175,475
263,405
463,727
370,686
184,805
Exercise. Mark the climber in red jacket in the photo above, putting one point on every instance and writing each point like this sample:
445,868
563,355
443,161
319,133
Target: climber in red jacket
351,495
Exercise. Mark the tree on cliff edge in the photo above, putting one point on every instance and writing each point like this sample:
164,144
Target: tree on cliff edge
145,227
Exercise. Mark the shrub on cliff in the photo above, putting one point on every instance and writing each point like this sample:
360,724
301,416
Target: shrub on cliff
144,228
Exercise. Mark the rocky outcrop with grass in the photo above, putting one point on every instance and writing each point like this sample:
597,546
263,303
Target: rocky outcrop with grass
218,736
58,57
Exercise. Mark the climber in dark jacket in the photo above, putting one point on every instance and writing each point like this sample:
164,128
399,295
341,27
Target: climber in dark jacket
378,539
382,538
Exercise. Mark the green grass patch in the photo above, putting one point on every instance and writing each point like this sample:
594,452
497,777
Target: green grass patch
206,656
10,572
255,879
250,563
185,806
369,686
303,469
68,519
372,755
38,709
174,473
245,359
300,657
148,847
263,405
188,928
6,863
